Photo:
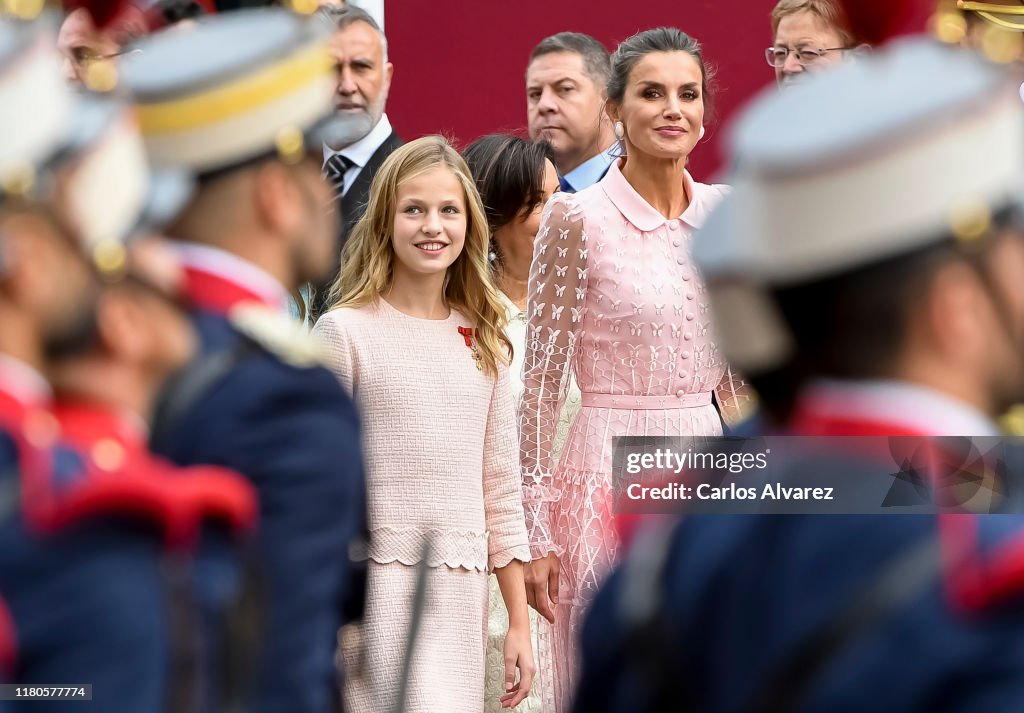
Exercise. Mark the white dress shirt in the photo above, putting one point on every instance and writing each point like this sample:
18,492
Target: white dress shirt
361,151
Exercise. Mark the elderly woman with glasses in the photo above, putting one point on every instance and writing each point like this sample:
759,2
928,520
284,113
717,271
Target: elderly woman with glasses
809,35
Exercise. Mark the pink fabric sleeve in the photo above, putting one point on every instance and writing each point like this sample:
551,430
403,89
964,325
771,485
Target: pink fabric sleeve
558,287
503,488
337,350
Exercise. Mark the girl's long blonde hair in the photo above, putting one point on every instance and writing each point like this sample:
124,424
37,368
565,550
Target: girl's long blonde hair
367,263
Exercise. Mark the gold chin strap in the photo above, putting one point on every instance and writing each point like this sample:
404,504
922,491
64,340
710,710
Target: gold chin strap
994,12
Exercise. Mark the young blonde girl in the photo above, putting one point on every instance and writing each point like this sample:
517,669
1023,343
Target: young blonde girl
416,334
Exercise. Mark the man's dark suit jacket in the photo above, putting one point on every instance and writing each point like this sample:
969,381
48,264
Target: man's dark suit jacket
353,204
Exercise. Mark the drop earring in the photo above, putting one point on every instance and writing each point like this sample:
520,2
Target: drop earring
620,130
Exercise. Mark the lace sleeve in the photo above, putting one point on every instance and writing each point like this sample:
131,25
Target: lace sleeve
735,397
558,286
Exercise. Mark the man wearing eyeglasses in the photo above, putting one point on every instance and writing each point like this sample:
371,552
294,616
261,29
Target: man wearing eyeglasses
809,35
83,44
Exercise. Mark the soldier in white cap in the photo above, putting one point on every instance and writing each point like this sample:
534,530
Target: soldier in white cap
89,524
866,275
245,102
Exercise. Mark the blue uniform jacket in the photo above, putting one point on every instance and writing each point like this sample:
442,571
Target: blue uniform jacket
738,596
87,604
294,433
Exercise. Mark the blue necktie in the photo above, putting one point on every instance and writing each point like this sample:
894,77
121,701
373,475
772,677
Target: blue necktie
565,186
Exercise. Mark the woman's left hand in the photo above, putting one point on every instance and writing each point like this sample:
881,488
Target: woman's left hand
518,654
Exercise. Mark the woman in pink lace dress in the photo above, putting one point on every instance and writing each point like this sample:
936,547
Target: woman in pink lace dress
616,301
416,336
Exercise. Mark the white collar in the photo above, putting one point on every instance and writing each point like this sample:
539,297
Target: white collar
23,382
901,403
235,269
363,150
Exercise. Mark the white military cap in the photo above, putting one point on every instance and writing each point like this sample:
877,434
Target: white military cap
35,104
234,88
1007,14
911,146
80,154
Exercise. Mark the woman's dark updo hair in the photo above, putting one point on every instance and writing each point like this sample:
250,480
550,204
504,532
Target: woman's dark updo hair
660,39
509,173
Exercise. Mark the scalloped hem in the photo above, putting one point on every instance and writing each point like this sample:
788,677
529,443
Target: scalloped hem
448,548
505,557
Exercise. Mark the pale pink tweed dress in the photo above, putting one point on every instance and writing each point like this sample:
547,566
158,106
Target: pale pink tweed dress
442,462
616,300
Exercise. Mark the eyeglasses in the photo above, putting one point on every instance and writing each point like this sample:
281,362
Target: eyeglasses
776,56
83,56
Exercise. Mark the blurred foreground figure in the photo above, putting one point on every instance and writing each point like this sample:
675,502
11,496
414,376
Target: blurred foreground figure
248,116
865,274
96,542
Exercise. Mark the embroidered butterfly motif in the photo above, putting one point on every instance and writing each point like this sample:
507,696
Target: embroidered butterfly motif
560,271
538,308
658,287
583,253
635,328
638,289
615,326
581,293
657,328
676,331
556,312
543,248
638,308
600,246
563,233
559,290
540,287
618,269
615,304
562,252
658,308
542,268
582,272
678,310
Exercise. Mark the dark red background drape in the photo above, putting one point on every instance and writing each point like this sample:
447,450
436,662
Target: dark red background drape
460,64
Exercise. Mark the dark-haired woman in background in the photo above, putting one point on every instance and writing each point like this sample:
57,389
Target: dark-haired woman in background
616,300
515,178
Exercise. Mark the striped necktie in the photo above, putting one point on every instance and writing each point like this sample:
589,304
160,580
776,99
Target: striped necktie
334,171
